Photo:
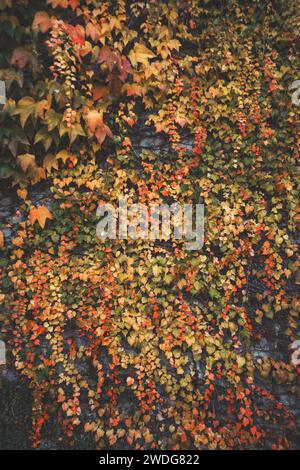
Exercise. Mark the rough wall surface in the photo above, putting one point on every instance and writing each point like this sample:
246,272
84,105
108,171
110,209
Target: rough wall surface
132,344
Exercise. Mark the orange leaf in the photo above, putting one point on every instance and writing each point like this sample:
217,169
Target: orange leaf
40,214
253,430
1,239
130,381
74,4
22,193
93,31
133,89
42,20
94,120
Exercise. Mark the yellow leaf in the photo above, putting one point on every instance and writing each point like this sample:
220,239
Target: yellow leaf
50,162
240,361
26,101
140,54
26,161
148,437
213,91
22,193
63,155
156,270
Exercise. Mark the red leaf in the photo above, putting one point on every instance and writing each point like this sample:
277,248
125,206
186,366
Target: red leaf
77,34
74,4
253,430
100,91
22,57
102,132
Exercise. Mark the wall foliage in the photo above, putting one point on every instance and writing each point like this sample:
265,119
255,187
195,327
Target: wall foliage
140,344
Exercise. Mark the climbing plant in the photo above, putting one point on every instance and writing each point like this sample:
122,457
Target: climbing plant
137,343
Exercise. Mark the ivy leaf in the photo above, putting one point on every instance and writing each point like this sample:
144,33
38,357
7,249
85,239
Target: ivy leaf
40,214
22,193
26,161
100,91
140,54
108,56
42,20
116,64
22,58
93,31
130,381
1,239
74,4
77,34
97,127
156,270
26,106
94,119
132,89
102,132
59,3
76,131
50,161
241,361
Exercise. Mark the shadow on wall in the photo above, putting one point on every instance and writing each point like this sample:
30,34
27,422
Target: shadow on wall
15,411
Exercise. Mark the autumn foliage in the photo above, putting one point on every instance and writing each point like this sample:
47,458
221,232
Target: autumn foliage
134,343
